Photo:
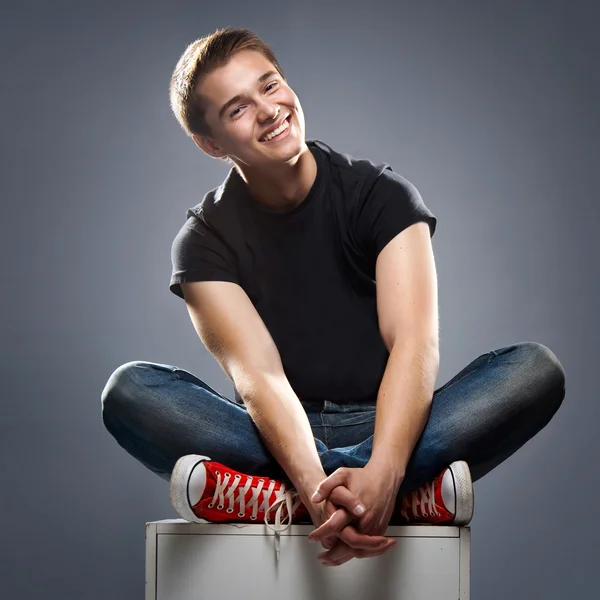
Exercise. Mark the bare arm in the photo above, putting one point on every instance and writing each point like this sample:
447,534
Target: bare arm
408,319
237,337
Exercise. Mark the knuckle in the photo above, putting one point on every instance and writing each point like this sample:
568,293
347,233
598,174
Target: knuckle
337,494
346,517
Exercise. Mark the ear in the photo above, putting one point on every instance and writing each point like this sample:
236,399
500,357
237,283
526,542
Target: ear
208,146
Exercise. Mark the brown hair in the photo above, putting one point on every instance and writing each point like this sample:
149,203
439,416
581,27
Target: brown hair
202,57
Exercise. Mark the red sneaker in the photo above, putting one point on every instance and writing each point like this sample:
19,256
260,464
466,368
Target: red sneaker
205,490
447,500
197,484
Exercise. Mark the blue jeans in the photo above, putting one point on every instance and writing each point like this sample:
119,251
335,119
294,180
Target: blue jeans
159,413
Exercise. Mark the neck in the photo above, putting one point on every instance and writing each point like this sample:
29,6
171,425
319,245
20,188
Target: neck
283,186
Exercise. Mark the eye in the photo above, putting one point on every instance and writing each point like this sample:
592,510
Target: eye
236,112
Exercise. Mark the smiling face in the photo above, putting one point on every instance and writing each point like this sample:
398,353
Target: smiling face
245,99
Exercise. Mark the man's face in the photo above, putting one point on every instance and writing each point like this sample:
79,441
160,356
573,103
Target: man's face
238,128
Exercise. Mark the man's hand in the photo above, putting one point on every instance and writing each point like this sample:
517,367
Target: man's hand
355,544
377,492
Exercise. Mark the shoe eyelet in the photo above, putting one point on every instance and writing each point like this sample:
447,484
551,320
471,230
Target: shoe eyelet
252,518
220,506
229,510
211,505
240,515
238,477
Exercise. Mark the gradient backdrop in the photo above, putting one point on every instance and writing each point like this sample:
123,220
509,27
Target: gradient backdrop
490,109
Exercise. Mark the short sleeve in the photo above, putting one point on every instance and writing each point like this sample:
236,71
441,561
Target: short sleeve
198,253
392,205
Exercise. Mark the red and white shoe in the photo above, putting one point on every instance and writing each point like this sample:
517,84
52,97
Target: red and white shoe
205,490
447,500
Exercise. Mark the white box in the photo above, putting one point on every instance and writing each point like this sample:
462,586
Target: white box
186,561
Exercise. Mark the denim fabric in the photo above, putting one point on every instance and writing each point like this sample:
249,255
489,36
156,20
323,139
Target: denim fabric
158,413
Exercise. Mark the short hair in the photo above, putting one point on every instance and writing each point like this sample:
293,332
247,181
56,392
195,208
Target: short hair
201,58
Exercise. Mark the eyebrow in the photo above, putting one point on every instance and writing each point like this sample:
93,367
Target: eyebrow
237,98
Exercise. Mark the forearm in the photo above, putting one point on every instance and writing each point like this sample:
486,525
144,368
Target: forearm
403,405
284,427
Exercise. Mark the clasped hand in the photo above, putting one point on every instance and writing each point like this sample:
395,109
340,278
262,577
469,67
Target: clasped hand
349,488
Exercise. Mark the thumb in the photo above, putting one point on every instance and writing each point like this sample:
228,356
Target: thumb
342,496
327,485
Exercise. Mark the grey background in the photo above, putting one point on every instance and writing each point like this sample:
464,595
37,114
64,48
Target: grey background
490,109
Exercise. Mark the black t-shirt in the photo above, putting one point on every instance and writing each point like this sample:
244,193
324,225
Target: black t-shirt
309,272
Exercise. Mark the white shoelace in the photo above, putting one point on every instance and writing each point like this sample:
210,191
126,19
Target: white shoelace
411,500
226,491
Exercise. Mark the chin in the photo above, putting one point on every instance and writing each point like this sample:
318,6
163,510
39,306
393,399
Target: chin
293,152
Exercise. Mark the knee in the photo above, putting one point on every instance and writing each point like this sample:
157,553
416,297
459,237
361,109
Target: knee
119,389
546,371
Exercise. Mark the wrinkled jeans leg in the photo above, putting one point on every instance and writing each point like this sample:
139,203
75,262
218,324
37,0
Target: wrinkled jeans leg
482,415
159,413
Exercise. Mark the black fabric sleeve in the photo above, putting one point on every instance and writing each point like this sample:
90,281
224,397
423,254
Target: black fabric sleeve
198,253
392,205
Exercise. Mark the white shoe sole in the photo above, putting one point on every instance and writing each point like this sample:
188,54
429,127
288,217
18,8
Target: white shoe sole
463,487
179,486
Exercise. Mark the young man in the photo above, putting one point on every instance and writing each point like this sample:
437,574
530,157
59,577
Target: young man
309,275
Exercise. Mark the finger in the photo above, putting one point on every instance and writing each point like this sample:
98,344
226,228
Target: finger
358,543
342,496
337,525
370,553
330,542
356,539
326,486
340,551
334,524
381,550
342,554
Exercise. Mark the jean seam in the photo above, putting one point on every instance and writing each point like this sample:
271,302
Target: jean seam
179,374
324,427
362,422
204,386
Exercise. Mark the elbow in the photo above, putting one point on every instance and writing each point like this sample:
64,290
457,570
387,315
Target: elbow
425,344
250,379
426,348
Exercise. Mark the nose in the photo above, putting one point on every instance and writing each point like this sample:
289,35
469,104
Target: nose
269,111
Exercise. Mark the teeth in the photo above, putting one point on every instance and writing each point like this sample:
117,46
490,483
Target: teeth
279,130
